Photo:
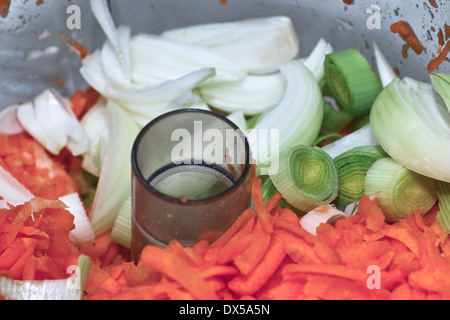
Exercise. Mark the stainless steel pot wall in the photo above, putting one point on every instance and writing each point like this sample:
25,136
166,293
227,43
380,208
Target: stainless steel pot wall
34,56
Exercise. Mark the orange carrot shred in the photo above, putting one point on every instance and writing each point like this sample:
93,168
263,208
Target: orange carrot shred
252,282
248,259
273,201
258,201
170,265
237,225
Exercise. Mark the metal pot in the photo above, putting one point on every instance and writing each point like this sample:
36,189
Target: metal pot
34,56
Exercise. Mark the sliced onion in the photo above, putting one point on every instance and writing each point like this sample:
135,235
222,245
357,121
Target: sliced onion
95,123
358,138
112,64
155,60
12,191
82,233
114,184
385,72
103,15
253,95
297,118
9,124
259,44
50,120
315,61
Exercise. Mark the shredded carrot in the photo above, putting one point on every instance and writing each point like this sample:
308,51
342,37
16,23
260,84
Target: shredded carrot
258,201
407,33
436,62
171,265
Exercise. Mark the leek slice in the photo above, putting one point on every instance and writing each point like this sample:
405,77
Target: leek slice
352,167
297,118
441,82
64,289
307,177
327,138
359,122
121,231
412,124
399,190
443,216
114,184
352,81
361,137
334,120
261,45
253,95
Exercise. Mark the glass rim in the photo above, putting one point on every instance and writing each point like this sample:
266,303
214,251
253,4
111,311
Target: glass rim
137,172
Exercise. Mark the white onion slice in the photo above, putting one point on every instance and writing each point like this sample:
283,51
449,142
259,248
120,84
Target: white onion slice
83,232
259,44
9,124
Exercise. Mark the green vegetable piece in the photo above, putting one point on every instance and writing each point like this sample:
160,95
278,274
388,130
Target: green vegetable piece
307,177
352,81
399,190
352,167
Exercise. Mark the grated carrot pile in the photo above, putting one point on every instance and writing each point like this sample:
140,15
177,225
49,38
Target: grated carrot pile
34,237
267,255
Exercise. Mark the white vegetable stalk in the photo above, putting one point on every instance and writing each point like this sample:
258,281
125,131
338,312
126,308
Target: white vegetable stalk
315,61
441,83
253,95
121,231
385,72
50,120
144,103
296,119
238,119
114,185
9,124
64,289
155,60
103,15
319,215
358,138
118,72
12,191
412,124
261,45
83,232
95,122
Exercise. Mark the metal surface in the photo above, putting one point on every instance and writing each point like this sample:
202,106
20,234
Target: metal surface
343,25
